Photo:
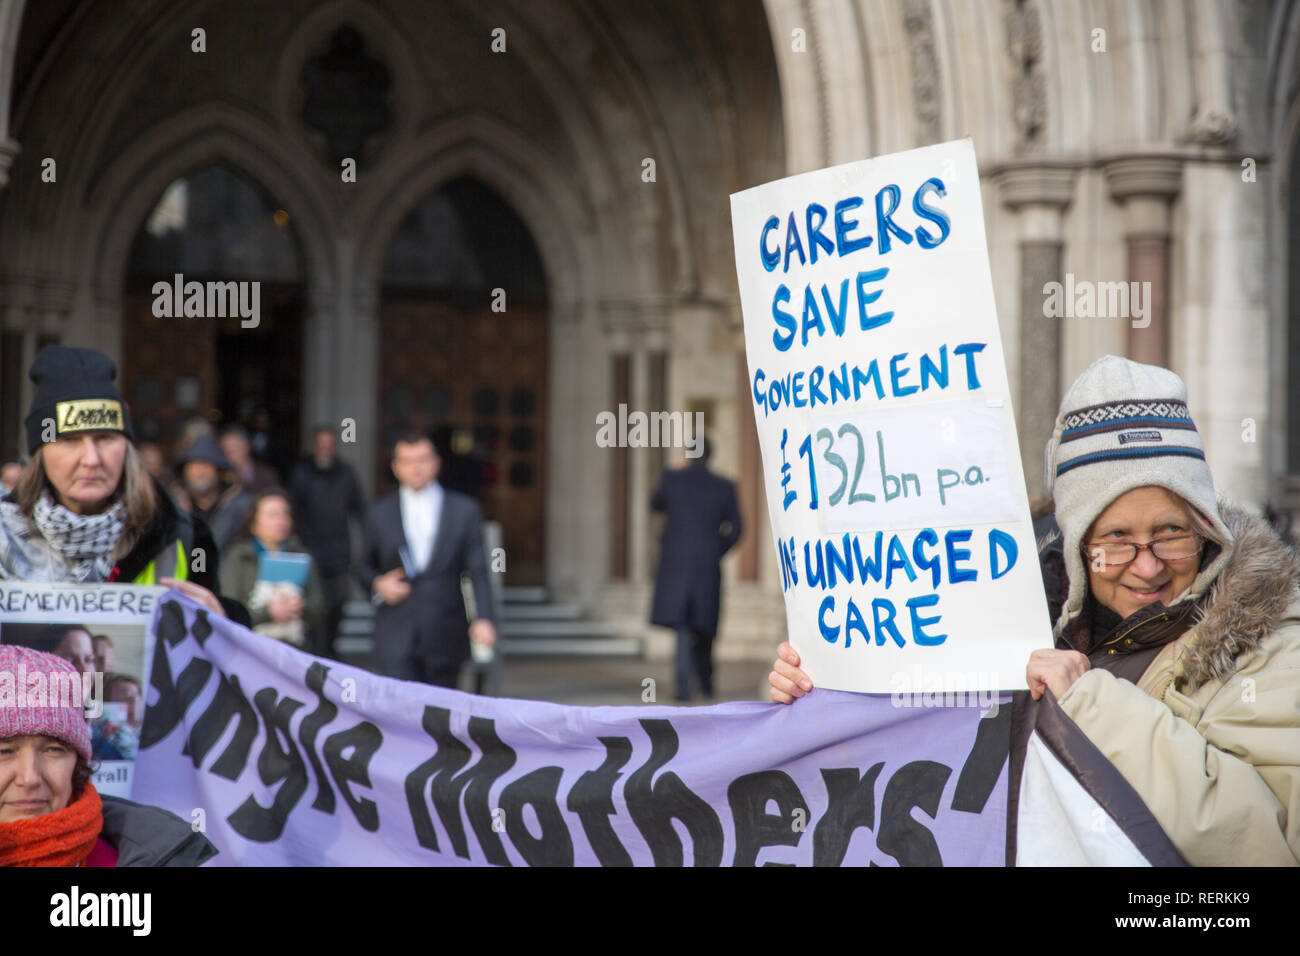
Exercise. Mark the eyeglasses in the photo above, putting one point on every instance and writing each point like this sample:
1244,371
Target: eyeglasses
1175,548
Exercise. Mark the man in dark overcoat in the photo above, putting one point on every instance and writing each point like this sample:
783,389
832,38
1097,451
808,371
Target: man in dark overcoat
703,524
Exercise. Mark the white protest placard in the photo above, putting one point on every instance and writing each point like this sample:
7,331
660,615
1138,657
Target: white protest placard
106,632
893,474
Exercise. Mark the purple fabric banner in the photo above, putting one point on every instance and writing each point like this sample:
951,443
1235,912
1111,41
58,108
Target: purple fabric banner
283,759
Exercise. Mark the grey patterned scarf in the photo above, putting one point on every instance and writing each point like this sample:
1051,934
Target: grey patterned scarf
84,542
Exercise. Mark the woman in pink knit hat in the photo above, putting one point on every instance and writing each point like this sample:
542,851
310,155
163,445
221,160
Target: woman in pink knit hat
50,812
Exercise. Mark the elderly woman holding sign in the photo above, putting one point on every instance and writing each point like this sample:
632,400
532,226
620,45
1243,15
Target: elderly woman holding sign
85,509
1177,622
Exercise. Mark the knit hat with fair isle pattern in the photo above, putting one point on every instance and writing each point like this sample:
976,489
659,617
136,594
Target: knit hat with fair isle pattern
1123,425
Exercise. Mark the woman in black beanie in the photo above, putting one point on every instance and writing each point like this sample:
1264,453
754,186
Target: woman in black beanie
85,508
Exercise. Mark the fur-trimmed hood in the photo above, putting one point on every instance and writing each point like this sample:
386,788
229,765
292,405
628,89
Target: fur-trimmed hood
1247,600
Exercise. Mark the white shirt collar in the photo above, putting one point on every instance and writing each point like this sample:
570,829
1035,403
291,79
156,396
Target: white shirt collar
432,490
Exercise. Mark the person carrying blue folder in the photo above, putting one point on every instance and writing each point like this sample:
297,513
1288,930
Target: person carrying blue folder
268,569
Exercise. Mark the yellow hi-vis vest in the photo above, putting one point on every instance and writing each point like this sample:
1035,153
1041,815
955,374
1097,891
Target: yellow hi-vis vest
176,557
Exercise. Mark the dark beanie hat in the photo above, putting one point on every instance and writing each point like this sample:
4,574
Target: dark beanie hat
203,448
75,391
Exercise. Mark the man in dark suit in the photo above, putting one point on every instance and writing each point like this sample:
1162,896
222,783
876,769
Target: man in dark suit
418,543
703,524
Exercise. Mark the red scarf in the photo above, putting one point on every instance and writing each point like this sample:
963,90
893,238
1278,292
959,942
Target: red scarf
62,838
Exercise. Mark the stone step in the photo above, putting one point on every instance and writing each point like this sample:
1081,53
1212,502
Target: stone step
529,625
548,625
571,647
533,612
552,620
358,610
534,628
512,608
357,645
353,645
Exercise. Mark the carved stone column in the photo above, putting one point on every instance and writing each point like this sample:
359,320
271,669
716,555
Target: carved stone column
749,480
21,317
355,371
322,328
639,483
1146,185
1040,192
9,150
54,306
11,20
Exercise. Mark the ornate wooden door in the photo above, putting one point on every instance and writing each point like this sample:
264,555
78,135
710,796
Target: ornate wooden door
169,370
174,369
479,378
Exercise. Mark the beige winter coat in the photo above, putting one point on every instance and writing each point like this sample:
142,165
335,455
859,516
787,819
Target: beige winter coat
1210,735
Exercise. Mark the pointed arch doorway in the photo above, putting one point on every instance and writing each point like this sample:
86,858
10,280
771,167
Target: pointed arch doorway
214,224
463,355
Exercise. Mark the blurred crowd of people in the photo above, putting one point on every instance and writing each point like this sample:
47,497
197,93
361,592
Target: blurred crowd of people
222,526
221,477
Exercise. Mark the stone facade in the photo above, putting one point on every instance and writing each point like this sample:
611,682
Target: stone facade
1134,141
